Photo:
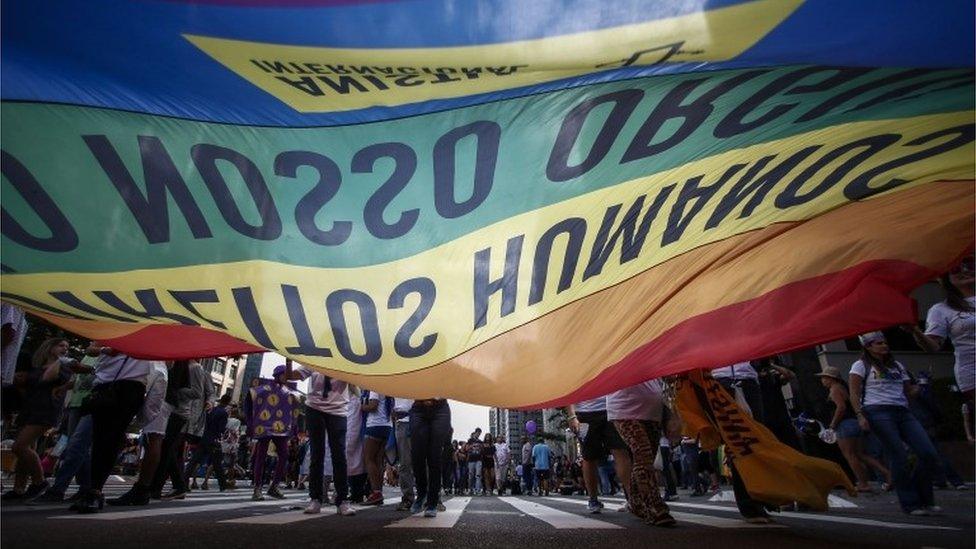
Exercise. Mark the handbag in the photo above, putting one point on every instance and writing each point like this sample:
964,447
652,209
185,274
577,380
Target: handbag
104,396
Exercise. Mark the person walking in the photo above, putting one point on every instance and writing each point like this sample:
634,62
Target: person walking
503,461
430,430
326,410
270,410
209,447
598,439
378,408
401,413
884,384
636,412
179,399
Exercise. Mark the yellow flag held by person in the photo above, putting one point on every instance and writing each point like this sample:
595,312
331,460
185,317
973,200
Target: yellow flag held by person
773,472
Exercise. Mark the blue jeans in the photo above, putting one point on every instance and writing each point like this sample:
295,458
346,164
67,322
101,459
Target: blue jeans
896,426
76,459
474,475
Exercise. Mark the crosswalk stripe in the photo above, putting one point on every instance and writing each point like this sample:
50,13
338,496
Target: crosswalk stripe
706,520
154,511
288,517
823,518
561,520
444,519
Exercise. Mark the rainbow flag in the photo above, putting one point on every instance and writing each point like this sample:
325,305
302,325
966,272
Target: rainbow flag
520,206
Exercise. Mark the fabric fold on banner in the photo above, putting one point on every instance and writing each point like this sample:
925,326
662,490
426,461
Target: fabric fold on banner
773,472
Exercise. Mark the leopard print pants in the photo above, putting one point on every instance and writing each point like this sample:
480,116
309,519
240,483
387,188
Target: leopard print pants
643,436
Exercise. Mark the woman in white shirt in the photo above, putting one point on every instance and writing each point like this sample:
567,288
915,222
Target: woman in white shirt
883,385
636,413
954,320
378,427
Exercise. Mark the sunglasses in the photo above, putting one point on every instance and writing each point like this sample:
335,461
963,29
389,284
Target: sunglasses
967,265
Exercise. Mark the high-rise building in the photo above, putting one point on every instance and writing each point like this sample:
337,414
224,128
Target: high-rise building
511,424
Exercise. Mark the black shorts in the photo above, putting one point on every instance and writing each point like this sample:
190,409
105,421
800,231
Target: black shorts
601,436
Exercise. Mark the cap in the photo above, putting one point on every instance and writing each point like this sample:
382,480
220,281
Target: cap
830,371
279,370
870,337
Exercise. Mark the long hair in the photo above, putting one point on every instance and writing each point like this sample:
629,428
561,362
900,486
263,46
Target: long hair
40,355
954,298
883,364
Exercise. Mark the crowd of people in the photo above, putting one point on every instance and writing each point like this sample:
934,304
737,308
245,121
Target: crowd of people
161,422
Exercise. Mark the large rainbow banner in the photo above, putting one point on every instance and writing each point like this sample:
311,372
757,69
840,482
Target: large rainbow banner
511,203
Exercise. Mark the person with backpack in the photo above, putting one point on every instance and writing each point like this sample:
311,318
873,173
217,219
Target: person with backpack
884,385
378,409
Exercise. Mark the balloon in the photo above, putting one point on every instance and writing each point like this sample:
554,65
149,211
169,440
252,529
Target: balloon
530,427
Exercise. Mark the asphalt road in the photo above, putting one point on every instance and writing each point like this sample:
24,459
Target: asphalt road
230,519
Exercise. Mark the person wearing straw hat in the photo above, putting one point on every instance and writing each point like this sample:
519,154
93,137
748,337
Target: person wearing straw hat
843,423
884,384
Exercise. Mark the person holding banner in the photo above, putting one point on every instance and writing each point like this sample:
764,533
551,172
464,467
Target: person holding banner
884,385
599,438
430,431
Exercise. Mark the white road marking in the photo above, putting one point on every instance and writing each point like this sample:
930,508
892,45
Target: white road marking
561,520
288,517
834,502
153,511
706,520
822,518
444,519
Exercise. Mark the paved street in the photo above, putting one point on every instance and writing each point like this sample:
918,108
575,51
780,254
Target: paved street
231,519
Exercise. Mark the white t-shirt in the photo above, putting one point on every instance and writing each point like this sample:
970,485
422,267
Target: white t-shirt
960,328
380,417
116,368
739,370
335,401
887,389
14,316
403,405
592,405
354,441
641,401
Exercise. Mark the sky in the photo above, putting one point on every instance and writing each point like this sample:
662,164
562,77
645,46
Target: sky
464,417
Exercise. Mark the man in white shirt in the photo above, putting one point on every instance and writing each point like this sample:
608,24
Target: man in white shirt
401,413
325,416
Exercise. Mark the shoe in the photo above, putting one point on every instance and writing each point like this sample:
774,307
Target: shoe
440,507
274,492
594,507
623,508
961,487
257,495
46,497
404,505
376,498
124,499
664,519
12,495
35,490
314,507
920,513
174,495
92,503
417,507
156,495
934,510
761,519
345,509
430,512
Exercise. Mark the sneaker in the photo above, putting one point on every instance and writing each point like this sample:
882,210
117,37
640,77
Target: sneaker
623,508
440,507
35,490
257,495
594,507
314,507
12,495
274,492
345,509
417,507
174,495
934,510
404,505
376,498
761,519
46,497
920,513
430,512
